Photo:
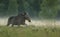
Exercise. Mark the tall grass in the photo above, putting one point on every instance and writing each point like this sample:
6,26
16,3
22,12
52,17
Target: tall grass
30,31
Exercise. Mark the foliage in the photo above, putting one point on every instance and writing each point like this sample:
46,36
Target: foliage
13,7
49,8
36,8
29,31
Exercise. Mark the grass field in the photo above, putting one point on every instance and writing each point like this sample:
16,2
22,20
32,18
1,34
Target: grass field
30,31
40,28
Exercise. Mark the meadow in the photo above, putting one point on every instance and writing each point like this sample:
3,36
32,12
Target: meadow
42,28
30,31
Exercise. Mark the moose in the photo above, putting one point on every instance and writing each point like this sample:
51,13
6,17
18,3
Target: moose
19,19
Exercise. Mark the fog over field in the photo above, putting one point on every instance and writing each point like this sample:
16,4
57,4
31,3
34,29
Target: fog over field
3,21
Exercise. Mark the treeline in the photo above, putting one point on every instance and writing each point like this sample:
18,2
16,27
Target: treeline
36,8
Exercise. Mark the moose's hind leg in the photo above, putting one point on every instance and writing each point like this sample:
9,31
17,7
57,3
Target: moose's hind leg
8,24
12,25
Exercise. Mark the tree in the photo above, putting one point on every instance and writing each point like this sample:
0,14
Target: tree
3,7
13,7
49,8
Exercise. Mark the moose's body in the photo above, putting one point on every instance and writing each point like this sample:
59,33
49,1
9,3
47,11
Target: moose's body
18,20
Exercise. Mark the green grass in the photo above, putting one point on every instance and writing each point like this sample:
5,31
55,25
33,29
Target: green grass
30,31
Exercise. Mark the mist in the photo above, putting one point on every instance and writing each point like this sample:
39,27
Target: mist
34,22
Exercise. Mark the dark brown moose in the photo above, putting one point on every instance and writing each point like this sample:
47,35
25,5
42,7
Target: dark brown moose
19,19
